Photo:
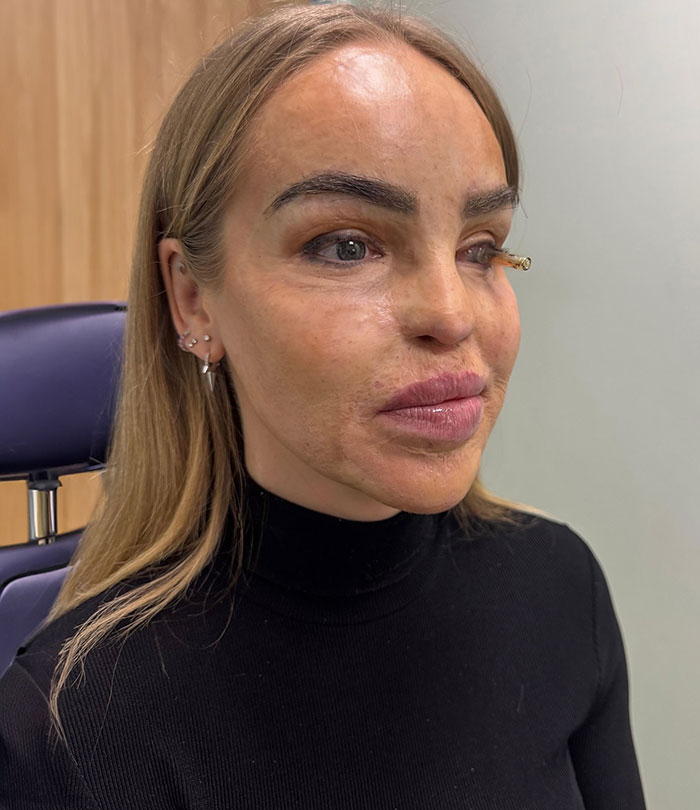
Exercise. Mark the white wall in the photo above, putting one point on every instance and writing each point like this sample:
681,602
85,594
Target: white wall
600,425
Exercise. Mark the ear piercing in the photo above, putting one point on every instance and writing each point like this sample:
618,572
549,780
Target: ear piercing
208,368
192,343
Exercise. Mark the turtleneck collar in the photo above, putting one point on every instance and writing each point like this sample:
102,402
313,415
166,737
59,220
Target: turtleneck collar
322,556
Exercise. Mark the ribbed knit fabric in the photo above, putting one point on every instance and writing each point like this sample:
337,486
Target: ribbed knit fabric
387,665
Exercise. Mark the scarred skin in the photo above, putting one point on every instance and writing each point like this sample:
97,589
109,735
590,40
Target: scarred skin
317,348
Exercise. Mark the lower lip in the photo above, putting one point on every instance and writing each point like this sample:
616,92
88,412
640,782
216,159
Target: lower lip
453,420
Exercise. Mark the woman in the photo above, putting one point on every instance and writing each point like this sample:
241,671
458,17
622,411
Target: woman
302,593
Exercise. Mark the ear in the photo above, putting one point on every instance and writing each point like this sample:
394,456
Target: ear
185,300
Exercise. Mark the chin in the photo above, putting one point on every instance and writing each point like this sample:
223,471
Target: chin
429,500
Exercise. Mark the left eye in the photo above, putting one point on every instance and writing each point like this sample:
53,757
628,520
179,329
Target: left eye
482,254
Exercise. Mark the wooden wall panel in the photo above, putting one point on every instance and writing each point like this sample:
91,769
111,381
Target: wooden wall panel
83,87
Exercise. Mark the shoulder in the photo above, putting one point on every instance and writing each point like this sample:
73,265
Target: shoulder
41,651
566,547
39,654
531,537
103,681
134,653
540,561
568,552
36,768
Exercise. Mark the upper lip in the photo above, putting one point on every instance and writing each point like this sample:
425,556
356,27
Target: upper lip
437,389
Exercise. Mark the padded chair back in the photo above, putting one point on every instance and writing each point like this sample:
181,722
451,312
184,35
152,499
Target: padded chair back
24,604
31,558
60,368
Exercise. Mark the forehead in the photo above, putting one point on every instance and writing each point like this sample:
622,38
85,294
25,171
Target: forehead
383,110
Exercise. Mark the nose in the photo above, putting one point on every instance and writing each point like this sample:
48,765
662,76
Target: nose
435,301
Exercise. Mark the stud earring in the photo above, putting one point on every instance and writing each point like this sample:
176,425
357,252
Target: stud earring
208,368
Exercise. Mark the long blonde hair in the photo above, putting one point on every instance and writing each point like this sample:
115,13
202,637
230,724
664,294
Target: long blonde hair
168,427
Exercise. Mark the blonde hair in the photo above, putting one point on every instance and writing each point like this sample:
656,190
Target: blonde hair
168,425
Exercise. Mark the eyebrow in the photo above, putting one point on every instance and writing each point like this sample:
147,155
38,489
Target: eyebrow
388,195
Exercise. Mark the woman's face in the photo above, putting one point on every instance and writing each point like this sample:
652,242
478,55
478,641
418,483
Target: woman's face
320,332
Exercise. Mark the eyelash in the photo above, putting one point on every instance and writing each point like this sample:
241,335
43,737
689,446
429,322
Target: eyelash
328,239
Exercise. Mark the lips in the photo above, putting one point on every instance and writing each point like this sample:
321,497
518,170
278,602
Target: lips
437,389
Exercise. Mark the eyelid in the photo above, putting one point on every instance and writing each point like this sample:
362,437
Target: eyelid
489,251
331,238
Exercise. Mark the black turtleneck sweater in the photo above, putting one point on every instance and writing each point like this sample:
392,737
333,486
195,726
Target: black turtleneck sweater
399,664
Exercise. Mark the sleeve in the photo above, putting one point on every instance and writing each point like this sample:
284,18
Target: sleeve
35,773
602,749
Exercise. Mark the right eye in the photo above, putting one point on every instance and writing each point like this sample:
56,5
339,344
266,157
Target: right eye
339,249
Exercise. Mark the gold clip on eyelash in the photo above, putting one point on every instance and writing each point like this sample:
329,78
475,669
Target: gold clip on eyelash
488,253
518,262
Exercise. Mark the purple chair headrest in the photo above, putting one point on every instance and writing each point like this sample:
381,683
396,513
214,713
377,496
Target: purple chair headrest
59,375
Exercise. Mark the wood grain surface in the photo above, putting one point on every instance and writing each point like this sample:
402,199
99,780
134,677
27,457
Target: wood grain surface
83,87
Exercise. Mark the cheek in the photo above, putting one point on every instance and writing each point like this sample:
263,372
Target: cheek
300,350
503,338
